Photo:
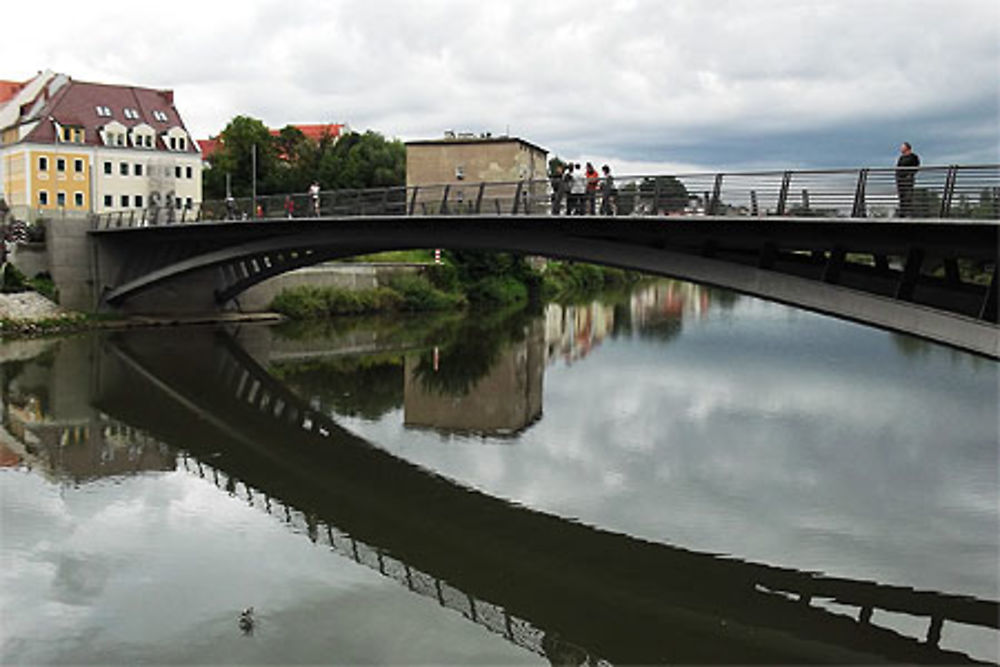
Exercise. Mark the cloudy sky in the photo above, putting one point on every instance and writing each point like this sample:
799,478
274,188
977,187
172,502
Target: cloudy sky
685,83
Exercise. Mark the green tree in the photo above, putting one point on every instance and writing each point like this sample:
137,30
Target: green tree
235,158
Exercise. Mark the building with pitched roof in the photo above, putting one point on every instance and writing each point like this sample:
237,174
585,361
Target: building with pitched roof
78,147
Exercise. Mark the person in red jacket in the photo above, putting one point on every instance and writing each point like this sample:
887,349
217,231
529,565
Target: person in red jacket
593,180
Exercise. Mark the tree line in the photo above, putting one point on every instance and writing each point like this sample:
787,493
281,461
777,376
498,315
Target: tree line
290,162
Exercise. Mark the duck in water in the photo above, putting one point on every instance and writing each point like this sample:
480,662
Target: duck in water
246,621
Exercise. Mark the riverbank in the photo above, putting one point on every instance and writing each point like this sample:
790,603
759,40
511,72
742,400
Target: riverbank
30,314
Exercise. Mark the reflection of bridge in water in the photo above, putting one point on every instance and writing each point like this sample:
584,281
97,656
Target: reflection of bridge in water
521,573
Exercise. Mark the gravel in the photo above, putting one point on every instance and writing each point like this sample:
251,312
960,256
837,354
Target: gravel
28,306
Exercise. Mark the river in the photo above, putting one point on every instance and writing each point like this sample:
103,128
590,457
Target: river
676,474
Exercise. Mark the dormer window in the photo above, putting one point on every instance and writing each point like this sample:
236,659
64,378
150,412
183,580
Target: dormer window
159,115
130,113
103,111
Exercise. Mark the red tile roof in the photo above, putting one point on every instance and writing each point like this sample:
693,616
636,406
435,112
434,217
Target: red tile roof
314,132
75,104
9,89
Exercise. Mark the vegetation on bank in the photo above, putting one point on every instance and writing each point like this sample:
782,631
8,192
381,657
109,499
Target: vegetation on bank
465,278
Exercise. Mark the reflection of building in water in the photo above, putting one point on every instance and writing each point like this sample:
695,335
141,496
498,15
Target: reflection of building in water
52,426
505,400
668,299
572,332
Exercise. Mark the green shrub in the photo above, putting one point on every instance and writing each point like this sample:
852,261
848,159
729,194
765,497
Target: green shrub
497,290
419,294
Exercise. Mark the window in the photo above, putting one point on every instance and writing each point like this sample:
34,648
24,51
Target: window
109,201
78,166
159,115
459,173
67,134
173,143
138,201
137,170
177,203
43,198
43,164
107,168
78,199
123,168
124,201
60,164
103,111
149,141
61,199
189,172
177,172
131,113
182,143
188,203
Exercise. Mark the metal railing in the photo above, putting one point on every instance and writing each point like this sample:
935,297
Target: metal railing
967,192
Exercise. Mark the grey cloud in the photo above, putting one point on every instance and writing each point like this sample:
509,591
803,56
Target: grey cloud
633,81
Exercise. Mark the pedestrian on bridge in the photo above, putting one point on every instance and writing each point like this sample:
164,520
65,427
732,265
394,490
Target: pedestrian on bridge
558,189
906,174
608,204
314,196
593,182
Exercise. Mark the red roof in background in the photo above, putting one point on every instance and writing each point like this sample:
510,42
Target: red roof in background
316,131
209,146
9,89
313,132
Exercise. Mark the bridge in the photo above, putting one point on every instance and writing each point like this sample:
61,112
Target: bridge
553,586
824,240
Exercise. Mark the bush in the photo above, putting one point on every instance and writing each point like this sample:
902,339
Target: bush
301,303
403,294
419,294
497,290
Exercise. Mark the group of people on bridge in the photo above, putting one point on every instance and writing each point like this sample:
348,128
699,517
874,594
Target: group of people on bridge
579,189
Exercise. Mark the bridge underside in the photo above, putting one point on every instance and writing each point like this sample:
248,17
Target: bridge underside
898,276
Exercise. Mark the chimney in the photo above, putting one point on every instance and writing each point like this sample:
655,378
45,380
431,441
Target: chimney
168,95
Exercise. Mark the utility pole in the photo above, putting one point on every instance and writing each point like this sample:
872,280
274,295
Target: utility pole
253,162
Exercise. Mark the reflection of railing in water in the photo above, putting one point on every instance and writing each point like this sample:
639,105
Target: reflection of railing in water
254,390
490,616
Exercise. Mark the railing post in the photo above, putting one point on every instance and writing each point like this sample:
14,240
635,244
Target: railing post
716,195
754,209
786,181
479,197
859,209
413,199
949,191
131,218
385,201
517,197
656,196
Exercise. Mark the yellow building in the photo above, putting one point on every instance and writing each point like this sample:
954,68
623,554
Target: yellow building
74,147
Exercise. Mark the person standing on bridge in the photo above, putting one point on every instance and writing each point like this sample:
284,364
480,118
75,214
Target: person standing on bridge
607,192
314,197
558,191
593,181
906,174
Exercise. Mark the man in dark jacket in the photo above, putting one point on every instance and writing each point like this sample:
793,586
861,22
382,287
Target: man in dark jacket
906,174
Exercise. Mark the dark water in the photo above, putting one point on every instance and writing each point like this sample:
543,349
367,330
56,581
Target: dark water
675,475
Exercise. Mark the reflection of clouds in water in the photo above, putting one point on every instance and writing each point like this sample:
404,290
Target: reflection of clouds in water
772,434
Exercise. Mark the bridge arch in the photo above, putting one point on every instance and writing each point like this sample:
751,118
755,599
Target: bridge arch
800,262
